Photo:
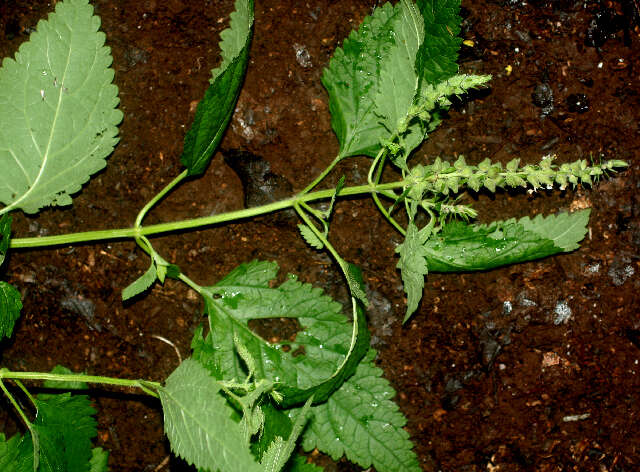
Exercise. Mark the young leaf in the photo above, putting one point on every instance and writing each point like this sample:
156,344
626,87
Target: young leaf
462,247
310,237
141,284
10,306
326,336
352,80
58,111
360,421
215,109
198,423
99,460
412,264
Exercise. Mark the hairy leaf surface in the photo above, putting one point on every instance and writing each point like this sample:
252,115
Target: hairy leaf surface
198,423
246,294
352,81
58,111
10,306
360,421
463,247
215,109
99,460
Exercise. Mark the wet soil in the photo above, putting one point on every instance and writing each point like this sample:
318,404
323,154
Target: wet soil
530,367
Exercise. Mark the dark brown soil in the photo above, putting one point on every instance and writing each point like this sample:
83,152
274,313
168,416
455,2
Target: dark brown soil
488,375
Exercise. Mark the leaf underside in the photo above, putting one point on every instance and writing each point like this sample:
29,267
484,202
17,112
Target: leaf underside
461,247
58,111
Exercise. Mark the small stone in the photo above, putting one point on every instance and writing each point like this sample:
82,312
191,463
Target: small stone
578,103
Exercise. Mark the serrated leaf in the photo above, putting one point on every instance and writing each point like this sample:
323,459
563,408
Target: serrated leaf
99,460
215,109
10,306
413,265
141,284
356,284
361,422
60,369
398,82
58,111
461,247
352,80
332,350
64,426
310,237
198,421
437,57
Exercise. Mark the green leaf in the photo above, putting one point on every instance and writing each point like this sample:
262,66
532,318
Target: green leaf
215,109
64,427
198,421
99,460
141,284
398,82
5,233
462,247
310,237
59,369
10,306
276,423
299,464
413,265
437,57
352,80
331,349
360,421
58,111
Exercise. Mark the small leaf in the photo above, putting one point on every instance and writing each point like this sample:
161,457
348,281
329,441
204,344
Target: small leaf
58,111
413,265
198,421
356,284
310,237
461,247
10,306
215,109
141,284
99,460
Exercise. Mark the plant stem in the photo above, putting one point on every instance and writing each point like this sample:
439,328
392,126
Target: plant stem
324,173
128,233
145,385
15,405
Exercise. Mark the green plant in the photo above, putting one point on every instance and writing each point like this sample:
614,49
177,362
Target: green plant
240,401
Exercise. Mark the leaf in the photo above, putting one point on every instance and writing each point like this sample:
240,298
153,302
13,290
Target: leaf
59,369
398,82
332,351
5,233
198,423
310,237
58,111
215,109
141,284
437,57
462,247
360,421
413,265
99,460
64,426
10,306
352,80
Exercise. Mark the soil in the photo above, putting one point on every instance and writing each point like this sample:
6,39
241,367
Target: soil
529,367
